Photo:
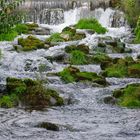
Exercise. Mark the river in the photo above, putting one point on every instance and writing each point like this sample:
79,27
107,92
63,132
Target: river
87,116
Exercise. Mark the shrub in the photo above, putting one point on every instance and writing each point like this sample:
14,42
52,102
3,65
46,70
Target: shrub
92,24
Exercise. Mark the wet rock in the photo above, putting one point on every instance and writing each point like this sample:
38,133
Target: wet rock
110,100
48,126
65,36
58,56
41,31
90,31
117,93
118,19
84,48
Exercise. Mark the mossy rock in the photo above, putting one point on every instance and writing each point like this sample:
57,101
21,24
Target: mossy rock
30,43
67,34
29,93
121,68
128,96
72,74
134,70
82,48
32,26
100,58
69,29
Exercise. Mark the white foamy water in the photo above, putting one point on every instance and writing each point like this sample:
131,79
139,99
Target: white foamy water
87,117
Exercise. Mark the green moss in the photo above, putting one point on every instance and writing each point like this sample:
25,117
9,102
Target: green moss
92,24
122,68
67,76
116,71
67,34
134,70
30,93
100,57
30,43
83,48
129,97
72,74
55,38
78,58
31,26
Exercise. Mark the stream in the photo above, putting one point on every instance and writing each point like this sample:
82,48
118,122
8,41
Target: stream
87,117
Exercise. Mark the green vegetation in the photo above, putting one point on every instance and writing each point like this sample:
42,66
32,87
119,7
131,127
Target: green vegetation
55,38
122,68
9,17
92,24
30,43
129,96
29,93
17,30
9,36
72,74
83,48
137,32
67,34
99,58
132,10
78,58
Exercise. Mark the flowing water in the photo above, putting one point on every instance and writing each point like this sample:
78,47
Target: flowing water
86,117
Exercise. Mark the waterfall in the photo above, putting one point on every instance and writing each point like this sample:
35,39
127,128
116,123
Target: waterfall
38,10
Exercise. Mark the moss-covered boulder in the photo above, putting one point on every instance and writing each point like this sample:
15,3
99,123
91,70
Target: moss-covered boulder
128,96
67,34
98,58
30,43
82,47
72,74
110,45
32,26
29,93
134,70
121,68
